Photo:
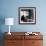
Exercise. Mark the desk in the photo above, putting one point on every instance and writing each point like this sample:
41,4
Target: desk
20,39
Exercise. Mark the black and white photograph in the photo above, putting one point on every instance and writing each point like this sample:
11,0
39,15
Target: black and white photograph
27,15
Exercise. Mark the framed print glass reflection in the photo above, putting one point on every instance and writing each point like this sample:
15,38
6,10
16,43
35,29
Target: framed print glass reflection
27,15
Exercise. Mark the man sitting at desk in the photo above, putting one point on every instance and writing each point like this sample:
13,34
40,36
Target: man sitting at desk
27,16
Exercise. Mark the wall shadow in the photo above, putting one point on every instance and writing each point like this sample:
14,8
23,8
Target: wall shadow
2,21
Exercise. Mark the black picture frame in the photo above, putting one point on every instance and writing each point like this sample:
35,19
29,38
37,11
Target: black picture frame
27,15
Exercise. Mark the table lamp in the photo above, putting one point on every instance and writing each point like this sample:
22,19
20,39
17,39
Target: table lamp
9,21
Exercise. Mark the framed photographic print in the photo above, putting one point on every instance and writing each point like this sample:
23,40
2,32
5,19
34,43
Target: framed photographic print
27,15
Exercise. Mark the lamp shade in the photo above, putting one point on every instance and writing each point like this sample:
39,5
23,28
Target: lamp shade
9,21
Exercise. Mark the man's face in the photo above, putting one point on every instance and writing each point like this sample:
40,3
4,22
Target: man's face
26,13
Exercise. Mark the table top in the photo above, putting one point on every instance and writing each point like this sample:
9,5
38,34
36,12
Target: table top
22,35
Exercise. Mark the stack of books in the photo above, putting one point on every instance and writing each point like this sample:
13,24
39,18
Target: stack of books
30,33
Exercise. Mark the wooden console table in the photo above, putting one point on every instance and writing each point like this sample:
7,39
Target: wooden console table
20,39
